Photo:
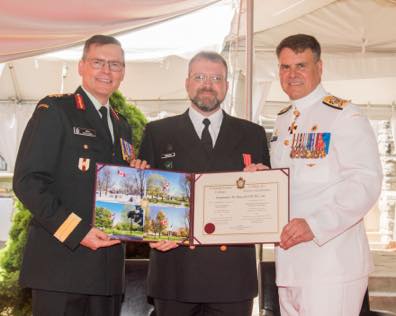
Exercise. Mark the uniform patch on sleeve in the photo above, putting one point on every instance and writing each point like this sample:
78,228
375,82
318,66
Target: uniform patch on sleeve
335,102
284,110
67,227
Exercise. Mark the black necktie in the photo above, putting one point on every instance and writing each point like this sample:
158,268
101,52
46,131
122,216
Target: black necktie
205,137
103,111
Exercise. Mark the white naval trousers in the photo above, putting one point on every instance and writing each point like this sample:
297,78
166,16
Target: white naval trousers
341,299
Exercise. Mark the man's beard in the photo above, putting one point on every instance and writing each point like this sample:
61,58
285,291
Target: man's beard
207,105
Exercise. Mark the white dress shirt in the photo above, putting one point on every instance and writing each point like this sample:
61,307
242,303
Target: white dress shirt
97,106
215,122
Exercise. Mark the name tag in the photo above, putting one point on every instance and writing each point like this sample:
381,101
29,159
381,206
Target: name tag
168,155
84,131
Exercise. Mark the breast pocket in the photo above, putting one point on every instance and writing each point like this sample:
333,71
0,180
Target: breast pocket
84,152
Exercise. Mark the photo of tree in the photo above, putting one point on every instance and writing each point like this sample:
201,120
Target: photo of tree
142,205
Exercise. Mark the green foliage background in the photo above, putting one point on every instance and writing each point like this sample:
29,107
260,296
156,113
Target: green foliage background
15,301
133,115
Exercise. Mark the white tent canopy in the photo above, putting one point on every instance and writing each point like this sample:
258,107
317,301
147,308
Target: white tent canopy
27,30
30,28
156,56
358,39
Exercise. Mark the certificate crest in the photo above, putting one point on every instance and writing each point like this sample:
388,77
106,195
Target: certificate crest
240,183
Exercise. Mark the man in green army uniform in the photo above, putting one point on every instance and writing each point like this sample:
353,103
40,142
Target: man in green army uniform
72,267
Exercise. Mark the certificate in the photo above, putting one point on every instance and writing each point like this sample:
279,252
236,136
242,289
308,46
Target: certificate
197,209
240,207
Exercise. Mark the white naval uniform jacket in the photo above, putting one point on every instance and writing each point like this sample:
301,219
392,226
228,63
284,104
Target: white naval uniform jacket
332,193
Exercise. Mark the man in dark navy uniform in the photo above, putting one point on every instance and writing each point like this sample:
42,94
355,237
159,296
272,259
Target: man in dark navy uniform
207,280
72,267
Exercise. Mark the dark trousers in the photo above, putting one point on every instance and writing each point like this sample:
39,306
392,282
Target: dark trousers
173,308
48,303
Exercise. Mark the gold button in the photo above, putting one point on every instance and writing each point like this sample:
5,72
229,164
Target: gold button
85,146
223,248
286,142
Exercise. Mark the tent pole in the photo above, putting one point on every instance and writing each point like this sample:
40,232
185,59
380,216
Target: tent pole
17,92
249,59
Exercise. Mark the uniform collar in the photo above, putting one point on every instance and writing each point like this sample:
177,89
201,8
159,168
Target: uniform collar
317,94
95,102
196,118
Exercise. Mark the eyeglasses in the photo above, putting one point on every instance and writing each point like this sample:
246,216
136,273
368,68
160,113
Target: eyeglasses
202,78
96,63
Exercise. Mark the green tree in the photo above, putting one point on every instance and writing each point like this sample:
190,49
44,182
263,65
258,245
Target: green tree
160,223
133,115
155,185
14,300
103,218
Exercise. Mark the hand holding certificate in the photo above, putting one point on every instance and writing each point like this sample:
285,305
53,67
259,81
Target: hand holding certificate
213,208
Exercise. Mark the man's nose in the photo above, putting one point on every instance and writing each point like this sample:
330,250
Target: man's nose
207,82
292,72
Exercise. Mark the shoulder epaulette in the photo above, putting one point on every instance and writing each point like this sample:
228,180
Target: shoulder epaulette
335,102
60,95
45,103
78,99
43,106
284,110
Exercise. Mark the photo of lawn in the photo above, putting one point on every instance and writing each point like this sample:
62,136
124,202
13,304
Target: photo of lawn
142,205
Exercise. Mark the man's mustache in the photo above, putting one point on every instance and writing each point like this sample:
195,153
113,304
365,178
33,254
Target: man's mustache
206,90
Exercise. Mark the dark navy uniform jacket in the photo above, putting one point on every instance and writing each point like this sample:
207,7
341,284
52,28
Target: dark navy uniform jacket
205,274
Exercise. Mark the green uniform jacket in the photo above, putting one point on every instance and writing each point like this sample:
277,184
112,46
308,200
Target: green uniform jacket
54,178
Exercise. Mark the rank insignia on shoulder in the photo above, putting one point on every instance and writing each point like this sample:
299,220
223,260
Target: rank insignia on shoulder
59,95
80,105
284,110
335,102
43,106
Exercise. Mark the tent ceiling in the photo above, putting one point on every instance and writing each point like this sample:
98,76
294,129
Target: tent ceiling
29,28
29,79
358,38
345,26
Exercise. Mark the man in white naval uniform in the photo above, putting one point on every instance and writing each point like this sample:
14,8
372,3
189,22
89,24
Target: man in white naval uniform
323,259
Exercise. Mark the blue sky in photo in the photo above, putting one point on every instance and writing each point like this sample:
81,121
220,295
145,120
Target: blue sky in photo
173,178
